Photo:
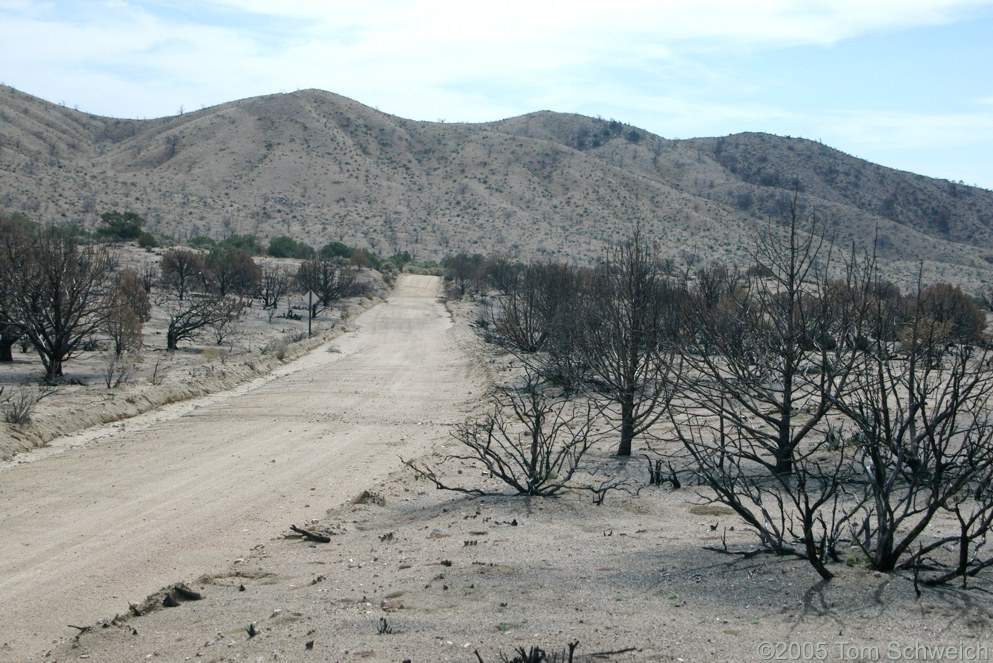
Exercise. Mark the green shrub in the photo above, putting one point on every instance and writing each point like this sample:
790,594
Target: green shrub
287,247
146,240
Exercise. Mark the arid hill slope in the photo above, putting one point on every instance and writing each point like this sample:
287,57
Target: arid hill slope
320,167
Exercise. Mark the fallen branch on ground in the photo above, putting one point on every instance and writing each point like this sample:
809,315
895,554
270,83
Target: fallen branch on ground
311,536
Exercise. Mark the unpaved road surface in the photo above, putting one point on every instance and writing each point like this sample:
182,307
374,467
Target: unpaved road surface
91,527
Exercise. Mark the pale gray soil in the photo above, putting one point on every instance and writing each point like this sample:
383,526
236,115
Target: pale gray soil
87,530
206,499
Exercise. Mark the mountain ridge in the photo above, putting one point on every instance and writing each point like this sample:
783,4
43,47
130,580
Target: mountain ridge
321,167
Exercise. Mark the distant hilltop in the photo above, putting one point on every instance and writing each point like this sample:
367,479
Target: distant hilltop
320,168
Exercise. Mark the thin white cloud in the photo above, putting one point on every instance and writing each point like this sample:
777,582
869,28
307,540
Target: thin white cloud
433,46
910,130
27,7
775,21
652,64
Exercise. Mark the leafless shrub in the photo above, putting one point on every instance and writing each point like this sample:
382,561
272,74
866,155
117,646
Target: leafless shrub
118,369
539,655
661,471
798,514
534,440
384,627
19,406
600,485
158,372
277,347
225,327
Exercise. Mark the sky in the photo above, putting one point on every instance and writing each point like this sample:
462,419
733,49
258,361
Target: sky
907,84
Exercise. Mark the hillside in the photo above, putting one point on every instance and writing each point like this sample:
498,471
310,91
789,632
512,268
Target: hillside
320,167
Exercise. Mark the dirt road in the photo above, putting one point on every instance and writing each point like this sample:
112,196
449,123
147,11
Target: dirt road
85,530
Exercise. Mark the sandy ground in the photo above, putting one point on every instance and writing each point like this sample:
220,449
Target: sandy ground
254,349
144,502
410,572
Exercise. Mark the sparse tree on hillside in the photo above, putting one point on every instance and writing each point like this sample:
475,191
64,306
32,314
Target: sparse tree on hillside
334,250
247,243
364,258
287,247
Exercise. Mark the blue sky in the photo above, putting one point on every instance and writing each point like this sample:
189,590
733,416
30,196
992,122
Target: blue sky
904,83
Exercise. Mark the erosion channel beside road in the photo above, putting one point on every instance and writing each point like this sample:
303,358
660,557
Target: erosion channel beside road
86,530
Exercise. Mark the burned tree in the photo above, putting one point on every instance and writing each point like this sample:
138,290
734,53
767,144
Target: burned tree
535,306
56,290
192,300
763,367
463,271
231,271
274,284
130,309
182,271
629,325
15,232
188,318
761,357
330,279
920,406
